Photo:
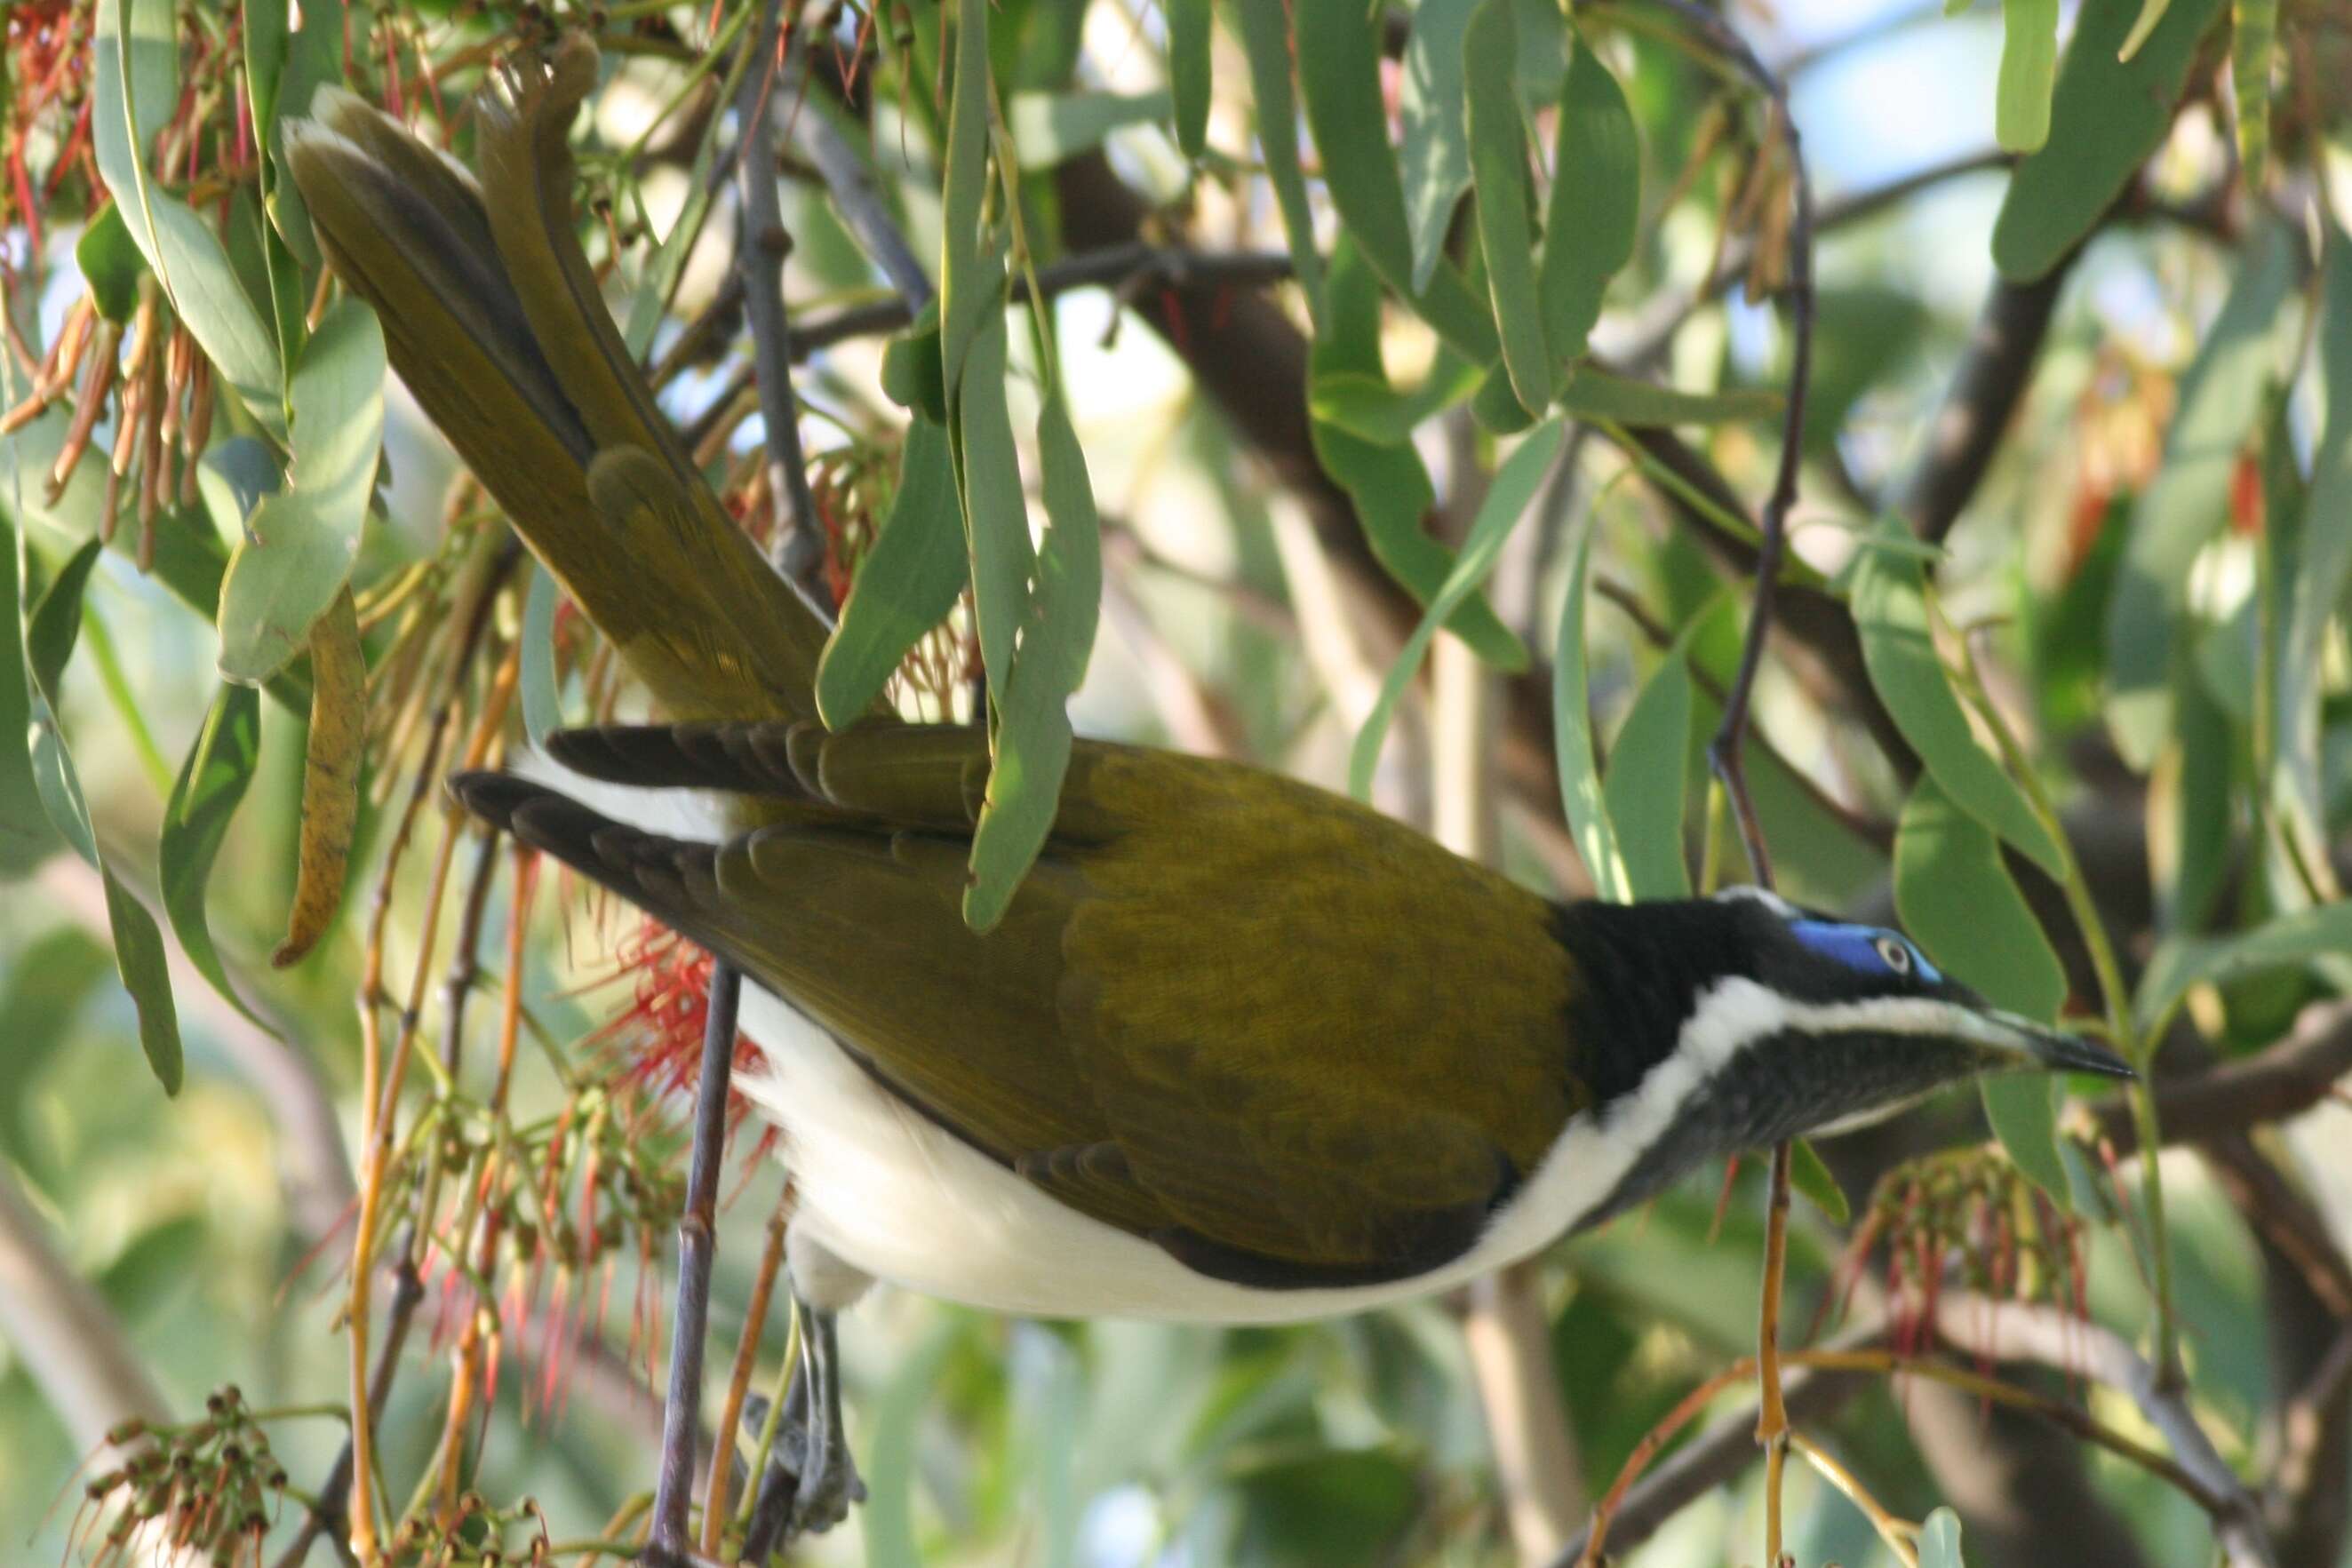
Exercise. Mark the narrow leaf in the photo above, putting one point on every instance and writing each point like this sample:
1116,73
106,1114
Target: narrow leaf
1507,499
111,265
1264,29
1365,405
905,586
1052,128
1388,486
1580,794
1596,201
1646,786
211,786
2253,43
2107,115
1433,157
1187,73
26,836
2029,71
542,699
1891,612
1959,901
1498,173
1339,76
1810,1175
2322,567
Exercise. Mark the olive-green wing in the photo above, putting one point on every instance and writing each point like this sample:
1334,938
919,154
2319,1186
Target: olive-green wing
1218,1013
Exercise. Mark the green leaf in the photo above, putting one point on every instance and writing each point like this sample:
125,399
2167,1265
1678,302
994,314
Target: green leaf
1960,905
1809,1176
1339,76
1388,484
1940,1541
2107,115
1187,73
211,785
1365,405
1507,499
49,629
1582,797
300,542
134,72
2322,567
2253,43
542,699
1052,128
1498,174
912,371
1645,789
2187,502
996,511
25,837
1596,201
657,280
905,586
1264,29
286,69
2151,12
1433,158
111,265
2181,963
2190,814
1890,610
971,275
2029,71
1592,394
1030,746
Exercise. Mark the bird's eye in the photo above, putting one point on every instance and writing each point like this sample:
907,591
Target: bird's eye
1896,953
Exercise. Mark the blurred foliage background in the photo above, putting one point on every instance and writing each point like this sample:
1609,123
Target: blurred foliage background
2060,680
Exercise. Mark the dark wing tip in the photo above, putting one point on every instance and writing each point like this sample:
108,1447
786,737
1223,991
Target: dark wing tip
494,797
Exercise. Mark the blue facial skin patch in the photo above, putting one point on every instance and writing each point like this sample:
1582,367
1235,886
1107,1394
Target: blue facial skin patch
1864,947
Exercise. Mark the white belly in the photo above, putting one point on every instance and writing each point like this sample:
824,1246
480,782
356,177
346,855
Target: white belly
889,1192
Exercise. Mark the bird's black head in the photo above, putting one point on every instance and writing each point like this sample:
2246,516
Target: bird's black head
1704,1027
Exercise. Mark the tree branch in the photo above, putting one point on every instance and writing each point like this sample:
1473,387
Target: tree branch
2271,1085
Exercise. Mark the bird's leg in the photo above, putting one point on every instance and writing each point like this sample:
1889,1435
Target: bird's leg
811,1480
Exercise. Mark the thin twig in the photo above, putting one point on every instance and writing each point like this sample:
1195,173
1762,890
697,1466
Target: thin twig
738,1384
797,550
697,1243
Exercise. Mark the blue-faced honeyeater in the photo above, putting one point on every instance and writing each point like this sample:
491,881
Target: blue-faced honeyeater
1241,1049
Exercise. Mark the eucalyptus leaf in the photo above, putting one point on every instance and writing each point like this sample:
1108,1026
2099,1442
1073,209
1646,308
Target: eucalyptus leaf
1809,1176
1592,394
1052,128
2322,567
1582,797
2181,963
1263,27
1498,171
1596,201
212,784
2107,115
1959,901
905,585
1187,73
1940,1541
1890,611
299,543
2028,72
1434,157
110,263
1645,789
1506,500
26,836
542,699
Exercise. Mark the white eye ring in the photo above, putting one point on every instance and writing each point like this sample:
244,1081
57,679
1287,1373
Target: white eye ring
1896,953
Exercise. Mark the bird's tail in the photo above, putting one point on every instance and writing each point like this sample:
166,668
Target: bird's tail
492,317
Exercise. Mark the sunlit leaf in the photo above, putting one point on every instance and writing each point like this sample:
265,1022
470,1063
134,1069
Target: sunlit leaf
2253,43
906,583
1940,1541
2106,116
1506,500
211,785
2029,71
